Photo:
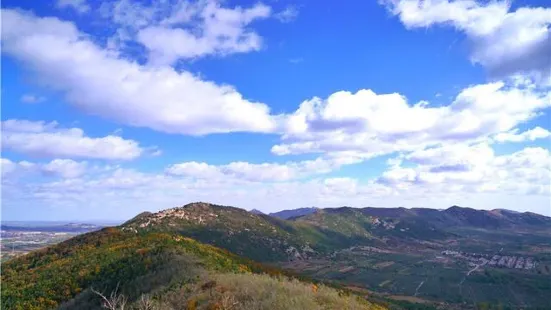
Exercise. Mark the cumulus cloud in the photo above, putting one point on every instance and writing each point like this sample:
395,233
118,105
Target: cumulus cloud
471,169
376,124
63,168
100,83
516,181
264,172
42,139
505,42
181,29
528,135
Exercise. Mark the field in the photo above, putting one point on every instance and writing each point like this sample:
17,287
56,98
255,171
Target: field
455,271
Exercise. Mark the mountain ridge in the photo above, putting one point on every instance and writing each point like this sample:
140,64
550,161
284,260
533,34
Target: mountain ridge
341,245
313,209
316,232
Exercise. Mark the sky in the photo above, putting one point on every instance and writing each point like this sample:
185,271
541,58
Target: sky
111,108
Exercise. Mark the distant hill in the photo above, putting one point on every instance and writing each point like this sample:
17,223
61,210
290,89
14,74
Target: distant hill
456,216
287,214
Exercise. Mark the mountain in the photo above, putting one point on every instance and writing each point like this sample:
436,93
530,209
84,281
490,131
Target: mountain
456,216
287,214
352,226
317,232
259,237
203,253
155,271
266,238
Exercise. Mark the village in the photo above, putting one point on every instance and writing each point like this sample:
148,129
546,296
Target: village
502,261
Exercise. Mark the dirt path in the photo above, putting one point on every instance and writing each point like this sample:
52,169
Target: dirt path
475,268
418,287
469,273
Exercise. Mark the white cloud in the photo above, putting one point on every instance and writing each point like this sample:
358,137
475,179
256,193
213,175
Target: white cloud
264,172
78,5
505,42
7,166
183,29
63,168
289,14
471,169
529,135
340,186
100,83
376,124
38,138
518,181
30,98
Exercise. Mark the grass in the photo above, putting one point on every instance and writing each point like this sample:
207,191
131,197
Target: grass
260,292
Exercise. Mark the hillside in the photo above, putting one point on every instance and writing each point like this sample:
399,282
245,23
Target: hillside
360,227
155,271
270,239
256,236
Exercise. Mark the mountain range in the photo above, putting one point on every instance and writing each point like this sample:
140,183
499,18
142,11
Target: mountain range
400,258
287,214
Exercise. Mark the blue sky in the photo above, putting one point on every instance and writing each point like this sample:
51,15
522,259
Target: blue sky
115,107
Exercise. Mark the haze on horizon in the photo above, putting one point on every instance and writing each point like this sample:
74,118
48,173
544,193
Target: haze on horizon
117,107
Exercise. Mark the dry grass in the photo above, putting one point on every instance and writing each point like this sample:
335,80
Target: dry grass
261,292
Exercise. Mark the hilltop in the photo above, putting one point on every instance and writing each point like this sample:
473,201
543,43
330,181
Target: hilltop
256,236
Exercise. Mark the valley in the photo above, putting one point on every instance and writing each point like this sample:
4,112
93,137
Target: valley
20,238
458,278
